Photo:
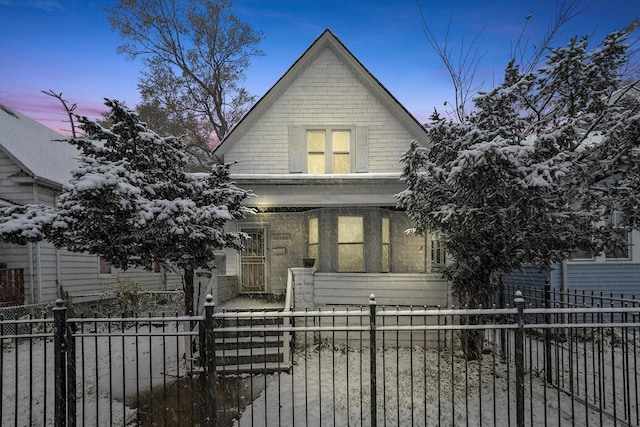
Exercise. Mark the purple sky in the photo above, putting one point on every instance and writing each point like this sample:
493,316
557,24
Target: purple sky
67,45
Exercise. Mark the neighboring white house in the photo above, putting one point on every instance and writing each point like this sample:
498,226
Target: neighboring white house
321,150
34,165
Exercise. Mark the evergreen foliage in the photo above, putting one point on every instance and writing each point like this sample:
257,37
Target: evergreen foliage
133,202
535,171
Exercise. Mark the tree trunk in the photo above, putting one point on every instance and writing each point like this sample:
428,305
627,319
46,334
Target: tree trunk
188,291
472,340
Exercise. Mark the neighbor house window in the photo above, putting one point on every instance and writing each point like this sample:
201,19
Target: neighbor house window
104,266
581,255
350,244
314,239
385,266
328,151
618,251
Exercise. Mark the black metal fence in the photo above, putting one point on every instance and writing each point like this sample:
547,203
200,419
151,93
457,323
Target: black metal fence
369,365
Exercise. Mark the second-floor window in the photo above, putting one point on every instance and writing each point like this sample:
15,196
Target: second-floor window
329,151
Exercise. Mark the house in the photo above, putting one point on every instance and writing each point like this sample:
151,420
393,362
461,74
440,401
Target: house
321,150
34,165
613,272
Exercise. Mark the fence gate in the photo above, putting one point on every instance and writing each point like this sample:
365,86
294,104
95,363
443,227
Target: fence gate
133,371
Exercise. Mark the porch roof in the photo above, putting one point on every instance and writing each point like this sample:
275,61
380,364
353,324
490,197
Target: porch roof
331,190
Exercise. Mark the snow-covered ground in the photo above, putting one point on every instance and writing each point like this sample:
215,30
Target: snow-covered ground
106,368
417,387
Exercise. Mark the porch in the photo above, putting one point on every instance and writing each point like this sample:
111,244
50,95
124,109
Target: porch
308,288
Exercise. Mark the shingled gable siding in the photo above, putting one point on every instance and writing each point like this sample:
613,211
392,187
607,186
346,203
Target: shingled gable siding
326,93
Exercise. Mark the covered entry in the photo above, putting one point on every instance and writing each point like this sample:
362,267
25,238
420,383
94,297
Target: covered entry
253,265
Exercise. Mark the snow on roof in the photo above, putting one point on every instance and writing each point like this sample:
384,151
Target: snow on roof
35,148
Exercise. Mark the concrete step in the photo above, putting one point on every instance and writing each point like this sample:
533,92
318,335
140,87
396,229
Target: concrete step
253,368
237,342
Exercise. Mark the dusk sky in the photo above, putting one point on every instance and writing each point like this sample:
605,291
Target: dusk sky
68,46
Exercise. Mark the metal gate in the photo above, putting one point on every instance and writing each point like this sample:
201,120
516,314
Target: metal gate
253,262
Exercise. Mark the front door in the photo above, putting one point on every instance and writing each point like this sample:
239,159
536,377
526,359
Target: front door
253,262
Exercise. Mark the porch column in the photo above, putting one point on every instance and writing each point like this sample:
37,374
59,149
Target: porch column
303,288
303,291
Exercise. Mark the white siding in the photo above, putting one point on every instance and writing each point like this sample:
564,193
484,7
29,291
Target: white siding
79,275
326,93
353,289
9,190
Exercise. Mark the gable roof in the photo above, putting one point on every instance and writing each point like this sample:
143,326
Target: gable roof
326,40
36,149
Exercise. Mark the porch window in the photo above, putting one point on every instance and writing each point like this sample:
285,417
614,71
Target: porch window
350,244
438,254
314,239
385,266
328,151
621,251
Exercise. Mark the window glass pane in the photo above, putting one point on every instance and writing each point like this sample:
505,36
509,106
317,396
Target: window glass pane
580,254
438,254
313,252
385,231
619,250
341,163
385,263
315,141
350,257
341,141
350,229
316,163
105,266
313,230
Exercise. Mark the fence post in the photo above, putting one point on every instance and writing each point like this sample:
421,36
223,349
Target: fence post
547,332
71,374
60,375
209,307
519,302
372,361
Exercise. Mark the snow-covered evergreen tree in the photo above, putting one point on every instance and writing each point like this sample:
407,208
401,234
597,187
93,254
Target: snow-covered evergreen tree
517,181
133,202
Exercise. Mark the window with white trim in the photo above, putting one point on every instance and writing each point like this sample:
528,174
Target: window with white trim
329,151
104,266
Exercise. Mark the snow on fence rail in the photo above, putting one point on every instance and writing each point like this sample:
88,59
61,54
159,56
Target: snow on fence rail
369,365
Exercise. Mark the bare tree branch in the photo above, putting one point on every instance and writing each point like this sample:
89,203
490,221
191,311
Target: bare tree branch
68,109
195,52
